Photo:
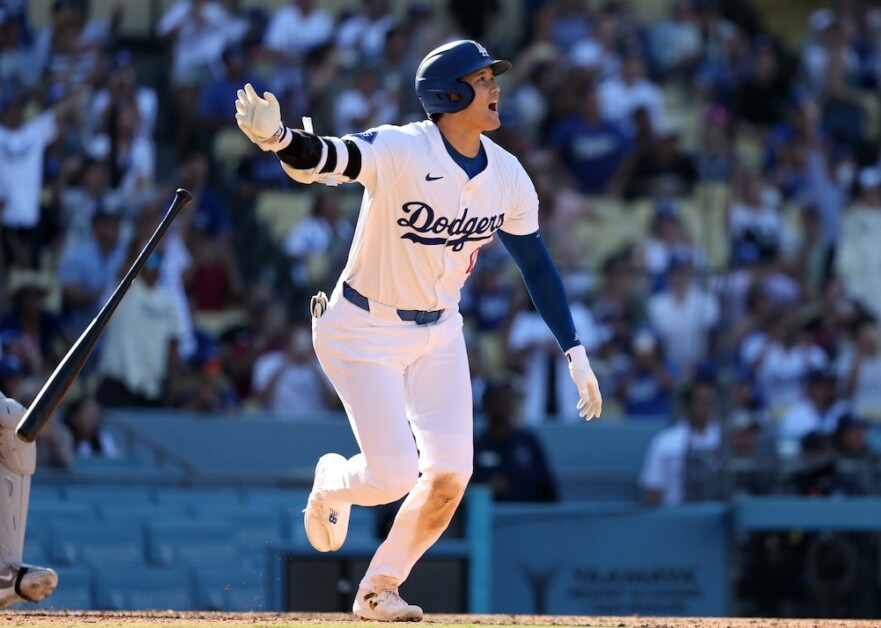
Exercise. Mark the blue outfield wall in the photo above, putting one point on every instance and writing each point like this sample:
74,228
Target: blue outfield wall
583,559
599,552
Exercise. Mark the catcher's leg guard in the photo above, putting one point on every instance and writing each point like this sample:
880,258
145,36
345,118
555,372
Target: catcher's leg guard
18,460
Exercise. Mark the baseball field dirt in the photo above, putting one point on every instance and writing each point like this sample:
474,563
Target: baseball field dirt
94,619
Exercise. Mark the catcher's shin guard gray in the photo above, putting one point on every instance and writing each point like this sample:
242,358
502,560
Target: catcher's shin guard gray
18,460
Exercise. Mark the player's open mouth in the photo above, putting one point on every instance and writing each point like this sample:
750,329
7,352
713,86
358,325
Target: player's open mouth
493,106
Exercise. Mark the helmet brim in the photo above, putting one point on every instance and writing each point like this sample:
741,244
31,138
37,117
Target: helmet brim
500,66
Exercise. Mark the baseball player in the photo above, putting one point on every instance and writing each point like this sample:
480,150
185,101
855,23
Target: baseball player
390,336
18,460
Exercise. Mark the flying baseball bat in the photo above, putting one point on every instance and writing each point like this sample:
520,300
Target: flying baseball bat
52,392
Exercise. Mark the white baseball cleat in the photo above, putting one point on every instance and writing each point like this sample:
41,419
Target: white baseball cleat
26,583
384,606
326,521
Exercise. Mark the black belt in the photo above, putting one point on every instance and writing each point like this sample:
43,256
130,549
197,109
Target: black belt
420,317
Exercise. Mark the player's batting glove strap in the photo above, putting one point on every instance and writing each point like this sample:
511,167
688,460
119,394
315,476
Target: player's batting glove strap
591,403
260,119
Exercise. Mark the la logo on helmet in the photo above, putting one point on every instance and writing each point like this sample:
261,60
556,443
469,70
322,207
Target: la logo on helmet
480,49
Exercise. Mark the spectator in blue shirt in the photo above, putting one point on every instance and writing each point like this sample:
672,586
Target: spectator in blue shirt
89,271
646,387
216,96
590,147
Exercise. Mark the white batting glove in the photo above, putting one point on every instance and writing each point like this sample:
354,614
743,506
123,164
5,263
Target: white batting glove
260,119
591,403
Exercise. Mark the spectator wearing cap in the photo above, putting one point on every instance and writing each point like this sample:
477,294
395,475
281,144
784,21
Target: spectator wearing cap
208,390
289,382
34,334
217,93
82,190
89,271
122,85
23,143
754,219
684,316
858,257
818,411
780,354
139,355
751,474
664,476
591,147
17,57
667,239
646,388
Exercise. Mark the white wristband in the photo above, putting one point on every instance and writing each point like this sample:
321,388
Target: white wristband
577,355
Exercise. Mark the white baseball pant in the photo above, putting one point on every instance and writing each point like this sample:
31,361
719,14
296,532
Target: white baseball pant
406,389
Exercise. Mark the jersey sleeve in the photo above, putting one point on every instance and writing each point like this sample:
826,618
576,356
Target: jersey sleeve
523,217
385,151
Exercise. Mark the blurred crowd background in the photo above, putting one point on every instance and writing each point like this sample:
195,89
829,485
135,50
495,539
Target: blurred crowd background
709,181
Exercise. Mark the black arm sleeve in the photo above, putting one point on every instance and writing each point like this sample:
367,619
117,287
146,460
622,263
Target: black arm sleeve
304,153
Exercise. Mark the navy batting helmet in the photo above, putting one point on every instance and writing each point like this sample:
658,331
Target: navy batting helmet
438,79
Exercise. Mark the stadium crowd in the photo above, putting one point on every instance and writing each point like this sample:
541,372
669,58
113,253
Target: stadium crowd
711,194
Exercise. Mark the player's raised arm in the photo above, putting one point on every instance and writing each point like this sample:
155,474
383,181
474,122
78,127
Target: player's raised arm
549,296
306,157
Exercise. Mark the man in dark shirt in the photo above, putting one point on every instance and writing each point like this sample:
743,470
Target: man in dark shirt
507,458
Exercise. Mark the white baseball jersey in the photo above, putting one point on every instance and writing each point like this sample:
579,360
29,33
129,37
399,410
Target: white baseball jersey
422,222
421,225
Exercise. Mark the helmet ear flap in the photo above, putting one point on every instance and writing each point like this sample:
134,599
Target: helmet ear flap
447,97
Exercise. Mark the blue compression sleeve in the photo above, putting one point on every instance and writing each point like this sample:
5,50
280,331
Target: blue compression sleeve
544,284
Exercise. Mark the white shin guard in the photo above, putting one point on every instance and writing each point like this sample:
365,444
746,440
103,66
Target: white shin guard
18,460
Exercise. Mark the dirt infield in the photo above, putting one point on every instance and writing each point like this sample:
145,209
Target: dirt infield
173,618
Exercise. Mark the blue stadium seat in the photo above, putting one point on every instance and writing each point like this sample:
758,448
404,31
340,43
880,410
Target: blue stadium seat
98,544
101,495
598,462
61,511
256,530
276,499
132,513
144,588
362,527
181,542
187,501
46,493
36,549
231,590
74,590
